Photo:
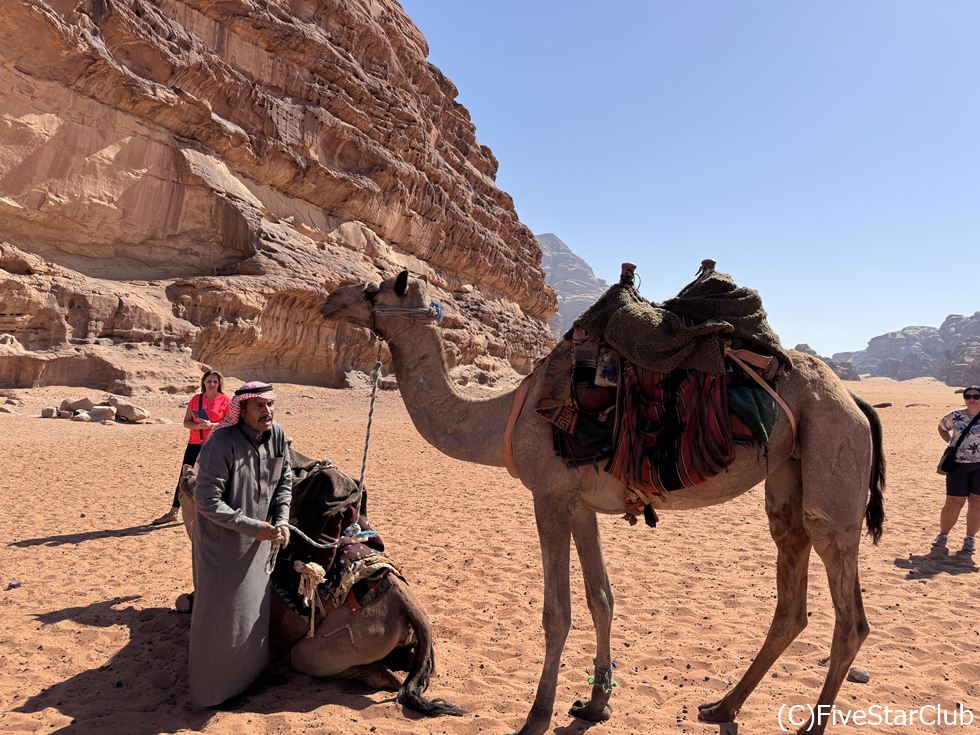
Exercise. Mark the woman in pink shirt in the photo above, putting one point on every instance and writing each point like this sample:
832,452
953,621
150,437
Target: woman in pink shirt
204,410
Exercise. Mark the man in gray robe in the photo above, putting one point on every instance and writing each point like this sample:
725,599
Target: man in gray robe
243,491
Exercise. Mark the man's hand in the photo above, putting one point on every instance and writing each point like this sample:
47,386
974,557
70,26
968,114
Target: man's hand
283,535
267,532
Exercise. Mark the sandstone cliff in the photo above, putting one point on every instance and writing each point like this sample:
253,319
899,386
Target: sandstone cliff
573,280
950,352
185,180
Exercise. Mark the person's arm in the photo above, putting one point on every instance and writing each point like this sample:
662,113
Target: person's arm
944,434
191,422
215,468
283,494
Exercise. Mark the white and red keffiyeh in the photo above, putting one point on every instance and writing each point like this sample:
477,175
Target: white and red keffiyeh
252,389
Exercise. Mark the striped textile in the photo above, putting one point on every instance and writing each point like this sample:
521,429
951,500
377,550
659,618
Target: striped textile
674,430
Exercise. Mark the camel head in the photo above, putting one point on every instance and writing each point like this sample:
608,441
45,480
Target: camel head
372,305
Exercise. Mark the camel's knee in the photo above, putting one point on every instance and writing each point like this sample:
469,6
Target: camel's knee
601,602
556,622
832,535
790,622
863,630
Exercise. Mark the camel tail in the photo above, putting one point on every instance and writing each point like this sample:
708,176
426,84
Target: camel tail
874,514
422,666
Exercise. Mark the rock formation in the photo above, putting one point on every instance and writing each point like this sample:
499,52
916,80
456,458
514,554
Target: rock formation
573,280
843,369
950,352
182,182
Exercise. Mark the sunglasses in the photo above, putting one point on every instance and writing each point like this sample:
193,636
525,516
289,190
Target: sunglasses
972,396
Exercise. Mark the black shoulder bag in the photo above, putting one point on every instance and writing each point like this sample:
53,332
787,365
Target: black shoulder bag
947,463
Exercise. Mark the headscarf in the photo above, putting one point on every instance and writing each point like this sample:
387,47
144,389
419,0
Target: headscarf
252,389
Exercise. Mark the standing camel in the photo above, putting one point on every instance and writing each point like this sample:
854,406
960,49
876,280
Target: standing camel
816,497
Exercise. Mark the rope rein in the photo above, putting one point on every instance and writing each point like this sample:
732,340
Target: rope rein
310,578
375,380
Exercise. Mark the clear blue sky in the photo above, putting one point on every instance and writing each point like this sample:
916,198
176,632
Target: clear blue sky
825,153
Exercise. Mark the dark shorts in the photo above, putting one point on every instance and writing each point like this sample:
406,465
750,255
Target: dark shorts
964,480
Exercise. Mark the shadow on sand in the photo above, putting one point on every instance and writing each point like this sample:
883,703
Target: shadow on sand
77,538
937,562
142,689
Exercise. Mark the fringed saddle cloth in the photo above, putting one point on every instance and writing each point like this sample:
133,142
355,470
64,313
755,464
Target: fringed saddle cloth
654,431
323,506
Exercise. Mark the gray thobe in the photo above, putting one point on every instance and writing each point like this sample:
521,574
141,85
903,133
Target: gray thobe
242,480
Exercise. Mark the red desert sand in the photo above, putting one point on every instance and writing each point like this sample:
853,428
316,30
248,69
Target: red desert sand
90,640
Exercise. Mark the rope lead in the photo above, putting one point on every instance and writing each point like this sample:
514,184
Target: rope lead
375,380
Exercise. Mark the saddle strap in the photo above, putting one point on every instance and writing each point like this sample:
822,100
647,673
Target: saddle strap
729,352
515,411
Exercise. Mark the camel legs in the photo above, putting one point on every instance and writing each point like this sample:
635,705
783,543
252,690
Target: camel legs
850,624
554,533
784,508
599,594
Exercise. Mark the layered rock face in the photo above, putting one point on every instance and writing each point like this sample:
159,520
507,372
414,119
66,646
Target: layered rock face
573,280
183,181
950,352
842,369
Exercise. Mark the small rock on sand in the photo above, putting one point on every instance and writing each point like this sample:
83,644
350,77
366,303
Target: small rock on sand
49,412
859,675
882,405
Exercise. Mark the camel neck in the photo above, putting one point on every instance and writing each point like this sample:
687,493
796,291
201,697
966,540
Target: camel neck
464,428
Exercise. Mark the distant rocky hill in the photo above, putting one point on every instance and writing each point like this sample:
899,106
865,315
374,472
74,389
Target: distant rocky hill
950,353
843,369
573,279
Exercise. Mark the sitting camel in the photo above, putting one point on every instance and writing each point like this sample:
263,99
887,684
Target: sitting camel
390,632
816,494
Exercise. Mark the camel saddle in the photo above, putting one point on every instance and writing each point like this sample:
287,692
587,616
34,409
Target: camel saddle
325,504
659,399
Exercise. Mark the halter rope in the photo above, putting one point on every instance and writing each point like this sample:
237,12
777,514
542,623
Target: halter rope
354,531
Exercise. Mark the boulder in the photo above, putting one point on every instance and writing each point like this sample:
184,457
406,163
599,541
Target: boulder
81,404
103,413
49,412
81,416
65,414
129,414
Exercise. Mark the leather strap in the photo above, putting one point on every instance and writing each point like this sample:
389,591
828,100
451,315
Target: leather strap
730,353
966,431
515,411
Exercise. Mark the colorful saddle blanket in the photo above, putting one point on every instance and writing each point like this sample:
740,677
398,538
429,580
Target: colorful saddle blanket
655,431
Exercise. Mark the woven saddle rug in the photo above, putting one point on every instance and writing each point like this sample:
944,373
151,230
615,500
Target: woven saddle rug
324,505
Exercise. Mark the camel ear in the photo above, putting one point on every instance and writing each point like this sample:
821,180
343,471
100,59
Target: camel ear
401,283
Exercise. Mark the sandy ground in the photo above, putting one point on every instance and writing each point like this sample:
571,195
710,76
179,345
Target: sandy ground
90,641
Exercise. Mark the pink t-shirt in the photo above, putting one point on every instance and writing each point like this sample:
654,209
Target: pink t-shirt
216,408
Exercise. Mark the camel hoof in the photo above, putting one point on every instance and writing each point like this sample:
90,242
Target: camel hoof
714,712
585,711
